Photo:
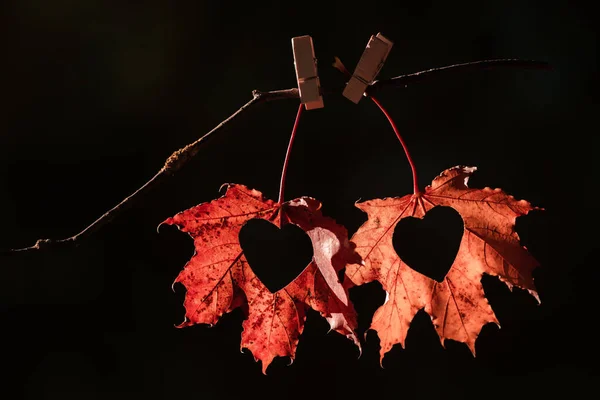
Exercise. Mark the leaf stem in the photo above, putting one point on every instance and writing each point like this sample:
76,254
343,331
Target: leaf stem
410,160
287,155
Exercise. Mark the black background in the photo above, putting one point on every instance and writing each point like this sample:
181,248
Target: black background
98,94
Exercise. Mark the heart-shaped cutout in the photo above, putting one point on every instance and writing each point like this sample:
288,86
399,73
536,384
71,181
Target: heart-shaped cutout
276,256
429,245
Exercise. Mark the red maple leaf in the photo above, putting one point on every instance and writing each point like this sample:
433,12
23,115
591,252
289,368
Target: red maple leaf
219,279
457,306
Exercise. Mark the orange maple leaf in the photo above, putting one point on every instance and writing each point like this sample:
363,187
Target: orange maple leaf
218,278
457,305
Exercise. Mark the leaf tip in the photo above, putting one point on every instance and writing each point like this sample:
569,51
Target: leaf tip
183,324
471,346
226,186
265,365
359,204
359,348
168,221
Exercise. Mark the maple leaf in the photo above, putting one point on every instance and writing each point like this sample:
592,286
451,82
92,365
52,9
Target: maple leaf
218,278
457,305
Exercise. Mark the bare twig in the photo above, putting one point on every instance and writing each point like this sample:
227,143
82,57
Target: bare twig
404,80
172,164
179,158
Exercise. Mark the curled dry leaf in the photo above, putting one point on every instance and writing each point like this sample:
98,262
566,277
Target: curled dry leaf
457,306
219,279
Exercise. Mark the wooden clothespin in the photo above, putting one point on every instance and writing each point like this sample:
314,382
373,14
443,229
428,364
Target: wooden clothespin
368,67
306,72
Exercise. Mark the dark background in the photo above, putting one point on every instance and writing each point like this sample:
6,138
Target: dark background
98,94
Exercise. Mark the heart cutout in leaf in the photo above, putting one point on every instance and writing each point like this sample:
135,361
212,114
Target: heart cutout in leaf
277,256
429,245
219,278
489,246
